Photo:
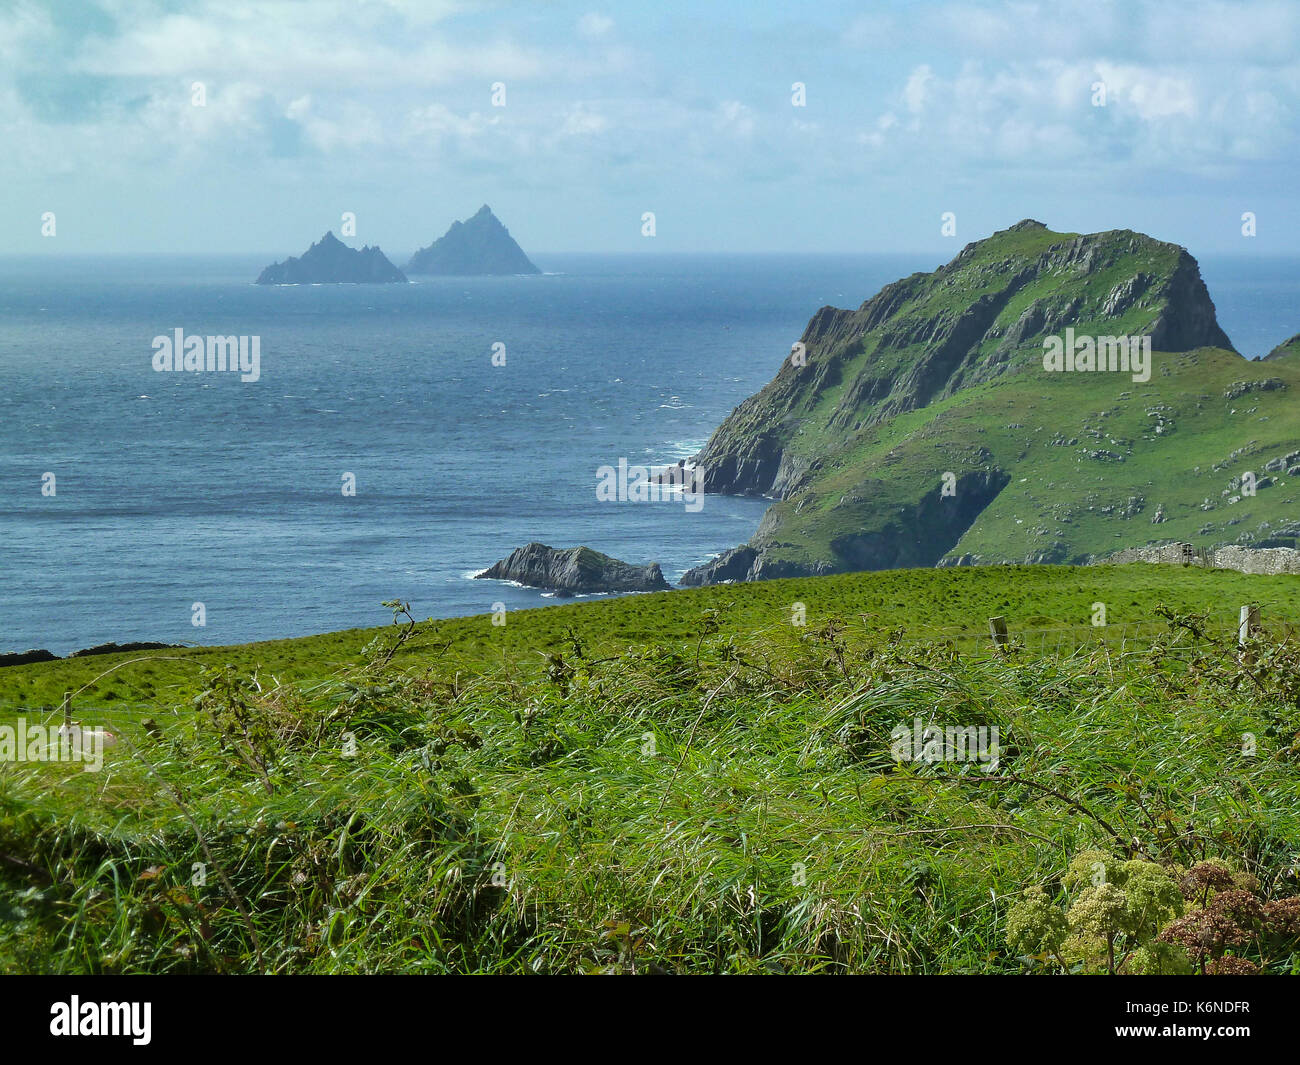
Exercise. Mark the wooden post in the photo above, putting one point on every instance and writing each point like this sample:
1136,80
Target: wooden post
998,630
1248,624
67,710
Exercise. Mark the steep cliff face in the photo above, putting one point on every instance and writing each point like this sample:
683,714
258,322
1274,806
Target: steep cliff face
923,428
924,338
331,262
922,533
916,534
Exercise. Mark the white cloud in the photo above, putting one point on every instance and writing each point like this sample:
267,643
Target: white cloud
1249,31
581,122
1154,95
347,127
594,24
438,122
914,92
317,46
735,118
1193,86
1174,115
1263,32
24,31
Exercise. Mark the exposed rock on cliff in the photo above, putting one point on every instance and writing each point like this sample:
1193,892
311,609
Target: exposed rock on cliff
20,658
118,648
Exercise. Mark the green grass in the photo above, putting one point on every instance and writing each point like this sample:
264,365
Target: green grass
681,782
933,603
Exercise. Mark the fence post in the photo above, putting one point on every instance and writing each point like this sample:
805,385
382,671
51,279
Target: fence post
998,630
1248,623
67,710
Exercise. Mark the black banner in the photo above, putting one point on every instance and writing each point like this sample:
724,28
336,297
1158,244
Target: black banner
333,1014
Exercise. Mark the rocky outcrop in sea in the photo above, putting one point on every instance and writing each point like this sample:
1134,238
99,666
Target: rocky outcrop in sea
574,570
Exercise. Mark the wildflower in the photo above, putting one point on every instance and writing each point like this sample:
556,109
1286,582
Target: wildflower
1231,966
1205,878
1159,959
1205,934
1034,925
1150,897
1089,869
1282,917
1098,911
1240,906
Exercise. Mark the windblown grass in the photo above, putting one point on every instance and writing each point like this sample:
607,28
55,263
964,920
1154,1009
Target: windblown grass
708,803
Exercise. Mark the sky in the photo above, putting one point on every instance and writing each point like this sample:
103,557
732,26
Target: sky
233,126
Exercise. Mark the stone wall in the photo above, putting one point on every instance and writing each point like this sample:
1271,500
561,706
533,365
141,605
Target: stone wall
1242,559
1258,559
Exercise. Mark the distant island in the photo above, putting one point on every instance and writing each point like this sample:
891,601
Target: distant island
331,262
481,245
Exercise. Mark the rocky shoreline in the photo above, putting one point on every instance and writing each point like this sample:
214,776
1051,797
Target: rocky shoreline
40,654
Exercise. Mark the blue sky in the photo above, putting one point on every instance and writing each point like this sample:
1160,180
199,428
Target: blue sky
384,108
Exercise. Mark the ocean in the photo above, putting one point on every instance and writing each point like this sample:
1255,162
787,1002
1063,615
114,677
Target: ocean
173,489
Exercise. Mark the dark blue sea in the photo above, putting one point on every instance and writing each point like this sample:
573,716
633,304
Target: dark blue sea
179,488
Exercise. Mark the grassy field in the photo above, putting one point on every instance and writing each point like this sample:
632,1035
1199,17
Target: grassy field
683,782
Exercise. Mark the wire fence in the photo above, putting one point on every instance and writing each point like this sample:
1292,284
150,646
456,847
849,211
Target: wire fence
1001,637
1127,637
1070,640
